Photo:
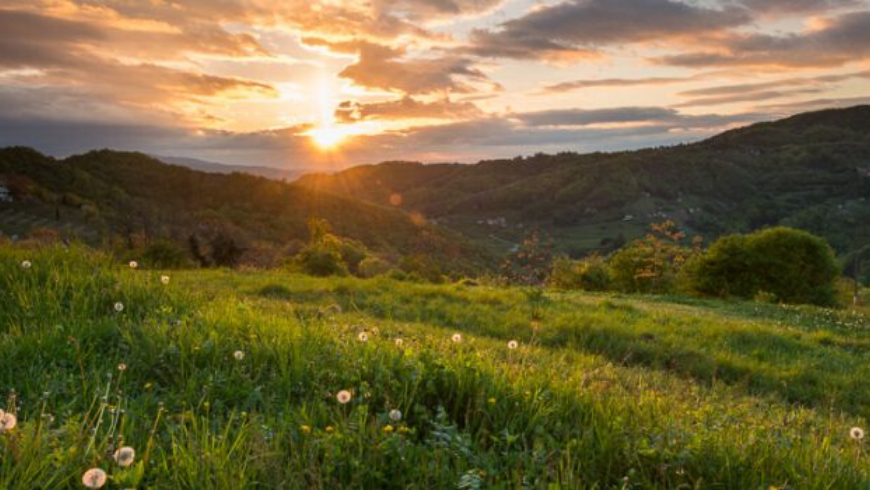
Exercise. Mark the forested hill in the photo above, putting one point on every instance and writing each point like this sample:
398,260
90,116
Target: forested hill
130,196
811,171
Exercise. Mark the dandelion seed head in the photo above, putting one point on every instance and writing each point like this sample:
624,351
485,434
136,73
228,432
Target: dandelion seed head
363,337
239,355
122,367
513,344
395,415
94,478
399,342
456,338
124,456
8,421
25,264
856,433
164,279
119,307
134,264
343,396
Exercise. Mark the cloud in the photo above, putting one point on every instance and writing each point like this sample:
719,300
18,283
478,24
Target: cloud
616,83
386,68
406,108
578,29
842,40
799,6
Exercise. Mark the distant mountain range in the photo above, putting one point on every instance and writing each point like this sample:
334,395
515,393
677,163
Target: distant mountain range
223,168
810,171
109,195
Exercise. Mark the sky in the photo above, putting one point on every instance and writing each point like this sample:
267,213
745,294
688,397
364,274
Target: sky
328,83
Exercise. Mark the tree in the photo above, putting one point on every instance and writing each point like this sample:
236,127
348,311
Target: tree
529,264
792,265
651,264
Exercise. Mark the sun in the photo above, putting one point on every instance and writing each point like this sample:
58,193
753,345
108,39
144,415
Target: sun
328,137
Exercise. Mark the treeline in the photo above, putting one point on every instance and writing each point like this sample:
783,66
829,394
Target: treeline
775,264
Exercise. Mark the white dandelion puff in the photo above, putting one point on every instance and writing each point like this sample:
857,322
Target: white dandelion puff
122,367
8,421
94,478
134,264
399,342
124,456
119,307
456,338
343,396
513,344
856,433
363,337
26,264
239,355
164,279
395,415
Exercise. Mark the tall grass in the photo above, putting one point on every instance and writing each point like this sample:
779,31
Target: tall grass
603,392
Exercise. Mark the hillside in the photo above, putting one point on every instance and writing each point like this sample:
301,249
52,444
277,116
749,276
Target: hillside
810,171
102,194
224,379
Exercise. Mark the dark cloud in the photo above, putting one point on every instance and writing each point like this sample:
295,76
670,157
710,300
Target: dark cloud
613,83
580,27
799,6
406,108
845,39
386,68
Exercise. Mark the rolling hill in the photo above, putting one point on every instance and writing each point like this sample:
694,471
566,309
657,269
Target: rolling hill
104,193
810,171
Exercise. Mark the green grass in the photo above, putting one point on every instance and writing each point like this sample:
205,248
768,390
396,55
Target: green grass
603,392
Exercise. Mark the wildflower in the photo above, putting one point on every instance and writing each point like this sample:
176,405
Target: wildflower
395,415
403,429
122,367
363,337
8,421
124,456
164,279
305,429
456,338
26,264
330,429
134,264
239,355
856,433
399,342
491,400
343,396
94,478
388,429
119,307
513,344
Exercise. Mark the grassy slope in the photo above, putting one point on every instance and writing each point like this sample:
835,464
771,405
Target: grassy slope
606,391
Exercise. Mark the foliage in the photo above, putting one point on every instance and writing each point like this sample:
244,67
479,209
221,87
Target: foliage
789,265
653,263
373,266
666,395
529,264
165,254
589,274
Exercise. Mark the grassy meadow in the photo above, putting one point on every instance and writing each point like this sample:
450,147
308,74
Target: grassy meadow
241,379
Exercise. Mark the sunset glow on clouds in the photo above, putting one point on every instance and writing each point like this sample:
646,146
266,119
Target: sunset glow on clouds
300,83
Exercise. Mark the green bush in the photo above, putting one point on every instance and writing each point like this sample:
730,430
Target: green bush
791,266
589,274
165,254
373,266
652,264
321,260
